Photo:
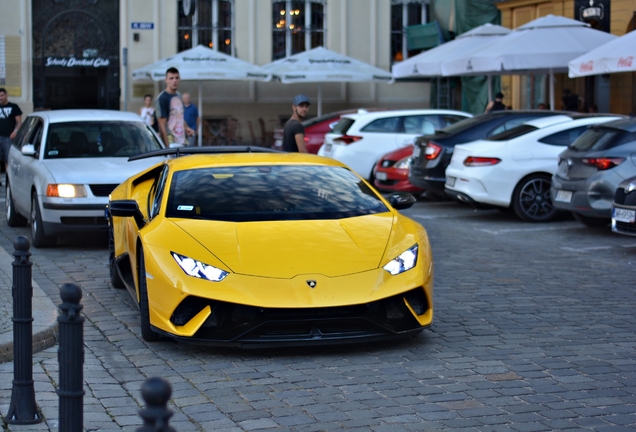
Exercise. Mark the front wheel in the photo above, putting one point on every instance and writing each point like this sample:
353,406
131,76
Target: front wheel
146,331
14,219
591,222
38,237
531,199
115,279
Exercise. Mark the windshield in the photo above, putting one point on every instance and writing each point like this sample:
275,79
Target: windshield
99,139
599,138
343,125
269,193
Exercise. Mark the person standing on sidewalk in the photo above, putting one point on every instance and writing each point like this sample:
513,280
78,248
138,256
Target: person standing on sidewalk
169,108
10,121
497,104
147,112
294,131
192,119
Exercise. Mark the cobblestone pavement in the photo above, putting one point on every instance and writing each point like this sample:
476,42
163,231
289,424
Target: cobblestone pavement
534,330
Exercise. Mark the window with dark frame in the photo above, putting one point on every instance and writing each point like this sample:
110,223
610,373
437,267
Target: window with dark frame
405,13
297,26
210,24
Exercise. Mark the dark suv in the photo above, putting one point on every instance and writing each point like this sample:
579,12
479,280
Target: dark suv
432,153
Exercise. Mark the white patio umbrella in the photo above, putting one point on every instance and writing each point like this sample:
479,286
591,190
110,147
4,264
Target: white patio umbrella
619,55
202,64
322,65
429,63
544,45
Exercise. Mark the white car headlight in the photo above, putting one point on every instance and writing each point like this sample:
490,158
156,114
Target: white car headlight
405,261
404,163
198,269
66,190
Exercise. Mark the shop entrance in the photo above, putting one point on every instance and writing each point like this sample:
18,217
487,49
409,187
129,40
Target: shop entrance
76,54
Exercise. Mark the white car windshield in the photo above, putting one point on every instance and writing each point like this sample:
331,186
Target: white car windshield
99,139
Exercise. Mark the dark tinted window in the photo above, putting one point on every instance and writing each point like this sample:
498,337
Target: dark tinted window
99,139
24,134
512,133
509,124
343,125
389,124
597,139
266,193
462,124
564,138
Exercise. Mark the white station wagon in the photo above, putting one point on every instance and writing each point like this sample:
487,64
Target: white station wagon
63,165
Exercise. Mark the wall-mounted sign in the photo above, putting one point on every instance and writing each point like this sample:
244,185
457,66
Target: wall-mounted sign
77,62
142,25
594,12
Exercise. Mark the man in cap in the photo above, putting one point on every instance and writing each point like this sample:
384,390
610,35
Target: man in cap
294,132
497,104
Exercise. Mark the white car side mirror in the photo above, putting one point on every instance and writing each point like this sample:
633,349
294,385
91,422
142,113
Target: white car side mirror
28,150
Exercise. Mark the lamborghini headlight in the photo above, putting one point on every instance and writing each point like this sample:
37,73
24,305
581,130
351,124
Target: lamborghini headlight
405,261
198,269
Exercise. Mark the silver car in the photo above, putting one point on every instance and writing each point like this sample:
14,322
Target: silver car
591,169
63,165
624,209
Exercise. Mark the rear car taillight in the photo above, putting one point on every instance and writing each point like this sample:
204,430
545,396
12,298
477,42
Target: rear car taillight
475,161
602,163
348,139
432,150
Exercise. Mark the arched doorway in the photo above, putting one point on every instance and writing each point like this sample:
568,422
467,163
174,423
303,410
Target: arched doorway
76,54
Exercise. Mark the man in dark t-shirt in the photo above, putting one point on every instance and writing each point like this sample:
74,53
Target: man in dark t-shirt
10,121
294,132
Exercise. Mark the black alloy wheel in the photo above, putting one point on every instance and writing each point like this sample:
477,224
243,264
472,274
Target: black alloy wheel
115,279
146,331
14,219
531,199
38,238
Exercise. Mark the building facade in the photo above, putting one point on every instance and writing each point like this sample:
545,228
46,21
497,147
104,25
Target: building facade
607,93
81,53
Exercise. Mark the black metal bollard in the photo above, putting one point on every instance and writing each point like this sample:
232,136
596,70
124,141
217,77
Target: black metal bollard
156,393
22,409
70,356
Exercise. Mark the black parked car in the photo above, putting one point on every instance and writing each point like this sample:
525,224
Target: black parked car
432,153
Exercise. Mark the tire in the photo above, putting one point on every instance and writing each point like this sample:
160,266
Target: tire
146,331
115,279
531,199
592,222
38,238
14,219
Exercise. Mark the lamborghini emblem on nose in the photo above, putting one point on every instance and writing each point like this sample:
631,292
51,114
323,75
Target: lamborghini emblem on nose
311,283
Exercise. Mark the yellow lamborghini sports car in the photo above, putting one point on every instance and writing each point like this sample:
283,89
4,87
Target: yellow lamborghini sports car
250,247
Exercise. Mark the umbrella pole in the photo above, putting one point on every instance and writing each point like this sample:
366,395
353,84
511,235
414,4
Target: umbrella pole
551,78
319,99
489,88
200,126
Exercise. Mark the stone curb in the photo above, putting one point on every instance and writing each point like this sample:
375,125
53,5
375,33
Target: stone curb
44,315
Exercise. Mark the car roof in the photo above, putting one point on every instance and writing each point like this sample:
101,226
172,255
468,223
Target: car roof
397,113
194,161
626,124
542,122
73,115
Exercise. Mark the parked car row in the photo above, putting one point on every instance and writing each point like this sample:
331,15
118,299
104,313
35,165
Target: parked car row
536,163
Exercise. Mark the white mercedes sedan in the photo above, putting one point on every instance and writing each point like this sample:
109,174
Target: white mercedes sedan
63,165
514,169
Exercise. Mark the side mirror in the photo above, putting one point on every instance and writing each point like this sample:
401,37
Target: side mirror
127,208
402,200
28,150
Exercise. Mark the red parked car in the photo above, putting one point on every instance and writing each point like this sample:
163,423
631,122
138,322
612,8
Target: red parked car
392,172
316,128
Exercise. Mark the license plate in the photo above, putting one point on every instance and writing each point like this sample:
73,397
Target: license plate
623,215
450,181
563,196
380,175
416,151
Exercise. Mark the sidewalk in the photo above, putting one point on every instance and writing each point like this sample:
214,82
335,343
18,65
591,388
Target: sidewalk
44,313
